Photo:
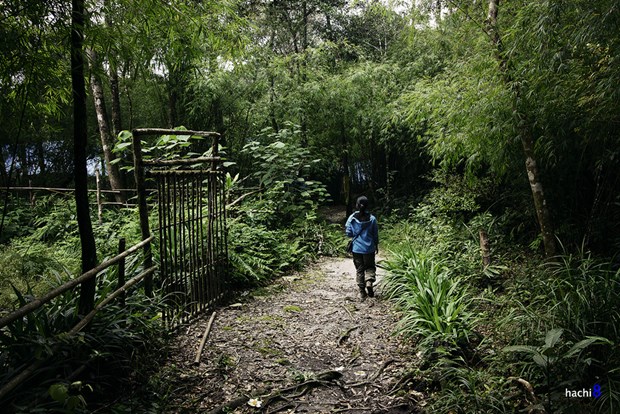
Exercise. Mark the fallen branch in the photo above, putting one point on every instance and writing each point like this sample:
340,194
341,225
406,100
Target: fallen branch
346,334
322,378
204,338
348,311
240,198
237,402
375,375
535,407
344,410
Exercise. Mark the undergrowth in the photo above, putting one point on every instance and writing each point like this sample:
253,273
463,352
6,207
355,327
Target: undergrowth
512,336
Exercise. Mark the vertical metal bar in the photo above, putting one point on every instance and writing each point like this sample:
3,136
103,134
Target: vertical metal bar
163,239
144,215
170,266
175,228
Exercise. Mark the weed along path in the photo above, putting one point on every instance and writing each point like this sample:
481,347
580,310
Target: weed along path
305,344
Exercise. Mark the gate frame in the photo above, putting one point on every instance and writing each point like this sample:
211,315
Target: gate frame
140,178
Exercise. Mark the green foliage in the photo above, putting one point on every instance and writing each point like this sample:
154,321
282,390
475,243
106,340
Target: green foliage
69,397
282,166
118,345
562,363
433,302
572,298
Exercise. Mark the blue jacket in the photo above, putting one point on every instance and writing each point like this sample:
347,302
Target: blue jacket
368,231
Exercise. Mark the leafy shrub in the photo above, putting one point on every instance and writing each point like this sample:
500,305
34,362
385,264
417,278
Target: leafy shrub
574,299
434,304
118,345
555,358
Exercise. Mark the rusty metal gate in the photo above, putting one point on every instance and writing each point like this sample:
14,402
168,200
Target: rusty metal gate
191,234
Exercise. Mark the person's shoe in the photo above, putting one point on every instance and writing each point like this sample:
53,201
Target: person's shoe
369,288
363,295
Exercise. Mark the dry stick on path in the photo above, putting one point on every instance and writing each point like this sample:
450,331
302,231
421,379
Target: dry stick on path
375,376
204,338
346,334
348,311
322,378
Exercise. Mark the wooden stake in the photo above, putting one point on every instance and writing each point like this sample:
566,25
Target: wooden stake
485,250
99,206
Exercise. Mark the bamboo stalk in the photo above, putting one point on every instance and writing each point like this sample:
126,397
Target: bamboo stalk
183,161
89,317
122,245
142,208
99,206
163,131
68,190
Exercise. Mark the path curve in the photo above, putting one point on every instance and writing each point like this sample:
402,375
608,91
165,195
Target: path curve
286,334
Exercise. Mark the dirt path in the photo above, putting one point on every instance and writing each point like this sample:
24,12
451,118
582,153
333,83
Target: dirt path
287,334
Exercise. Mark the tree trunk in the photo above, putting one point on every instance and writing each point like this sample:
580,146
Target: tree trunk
80,137
3,174
304,76
526,134
114,88
346,176
272,89
107,140
117,125
41,157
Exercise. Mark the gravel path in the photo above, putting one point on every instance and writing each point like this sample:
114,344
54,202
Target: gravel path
307,336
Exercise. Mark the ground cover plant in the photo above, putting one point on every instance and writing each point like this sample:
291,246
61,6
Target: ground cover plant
513,335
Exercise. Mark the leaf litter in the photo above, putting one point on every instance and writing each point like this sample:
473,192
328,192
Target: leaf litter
304,344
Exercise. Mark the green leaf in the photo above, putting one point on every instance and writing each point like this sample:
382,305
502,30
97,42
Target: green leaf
541,360
581,345
58,392
553,336
125,135
521,348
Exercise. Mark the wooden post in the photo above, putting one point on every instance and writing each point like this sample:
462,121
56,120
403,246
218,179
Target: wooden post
32,196
122,244
485,249
214,151
99,205
142,209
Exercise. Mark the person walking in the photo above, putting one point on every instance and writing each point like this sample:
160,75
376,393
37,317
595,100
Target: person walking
362,227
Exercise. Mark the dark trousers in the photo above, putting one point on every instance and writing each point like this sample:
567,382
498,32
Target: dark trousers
365,268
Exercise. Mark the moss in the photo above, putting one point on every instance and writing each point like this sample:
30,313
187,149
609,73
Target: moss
292,308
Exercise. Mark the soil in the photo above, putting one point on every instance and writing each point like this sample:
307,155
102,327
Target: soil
305,344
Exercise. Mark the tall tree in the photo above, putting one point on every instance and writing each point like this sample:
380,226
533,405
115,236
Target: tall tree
107,139
80,140
526,132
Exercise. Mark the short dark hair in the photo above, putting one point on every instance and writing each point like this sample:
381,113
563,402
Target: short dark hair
362,203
